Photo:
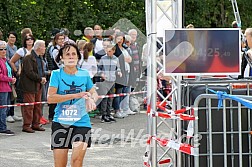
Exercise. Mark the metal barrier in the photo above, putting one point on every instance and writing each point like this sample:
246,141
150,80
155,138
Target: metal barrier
223,136
225,133
228,85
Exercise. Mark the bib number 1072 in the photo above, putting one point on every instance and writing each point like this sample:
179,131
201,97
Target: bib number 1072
69,112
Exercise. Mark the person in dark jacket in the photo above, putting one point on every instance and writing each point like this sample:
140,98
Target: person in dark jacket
135,65
31,79
121,82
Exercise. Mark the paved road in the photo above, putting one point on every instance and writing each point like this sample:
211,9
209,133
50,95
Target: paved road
117,144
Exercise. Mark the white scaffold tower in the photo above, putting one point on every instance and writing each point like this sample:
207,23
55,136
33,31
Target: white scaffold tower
161,15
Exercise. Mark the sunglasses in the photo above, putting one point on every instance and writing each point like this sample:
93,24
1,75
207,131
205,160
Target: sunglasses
29,39
106,39
1,49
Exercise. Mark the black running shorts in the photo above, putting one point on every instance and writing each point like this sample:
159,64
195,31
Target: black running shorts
63,136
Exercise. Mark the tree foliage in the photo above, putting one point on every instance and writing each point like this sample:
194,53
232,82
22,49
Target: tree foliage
44,15
216,13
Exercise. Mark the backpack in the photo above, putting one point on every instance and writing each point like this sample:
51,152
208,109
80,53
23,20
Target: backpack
134,104
19,92
100,53
21,61
49,58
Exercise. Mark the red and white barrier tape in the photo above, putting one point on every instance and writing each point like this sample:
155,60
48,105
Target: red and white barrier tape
146,157
23,104
182,147
100,97
184,117
190,130
120,94
158,104
165,161
178,114
162,107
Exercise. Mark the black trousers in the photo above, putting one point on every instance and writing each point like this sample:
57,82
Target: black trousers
105,88
51,110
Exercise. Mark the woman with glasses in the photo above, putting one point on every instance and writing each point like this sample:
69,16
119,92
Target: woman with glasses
58,42
11,47
27,45
6,79
24,32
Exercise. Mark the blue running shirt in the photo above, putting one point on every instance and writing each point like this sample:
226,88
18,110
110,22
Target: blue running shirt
72,112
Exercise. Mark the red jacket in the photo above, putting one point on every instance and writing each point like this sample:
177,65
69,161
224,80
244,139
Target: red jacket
4,79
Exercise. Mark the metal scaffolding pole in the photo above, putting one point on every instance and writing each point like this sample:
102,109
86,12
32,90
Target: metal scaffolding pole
179,18
161,14
148,25
153,87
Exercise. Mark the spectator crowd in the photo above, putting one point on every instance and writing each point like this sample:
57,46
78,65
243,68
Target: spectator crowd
111,57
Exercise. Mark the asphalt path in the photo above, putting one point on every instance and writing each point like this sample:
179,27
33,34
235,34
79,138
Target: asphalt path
117,144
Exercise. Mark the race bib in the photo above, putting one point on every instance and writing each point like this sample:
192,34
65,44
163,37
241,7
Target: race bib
73,112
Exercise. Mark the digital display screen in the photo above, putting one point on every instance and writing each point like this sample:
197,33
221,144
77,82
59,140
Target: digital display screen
202,51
